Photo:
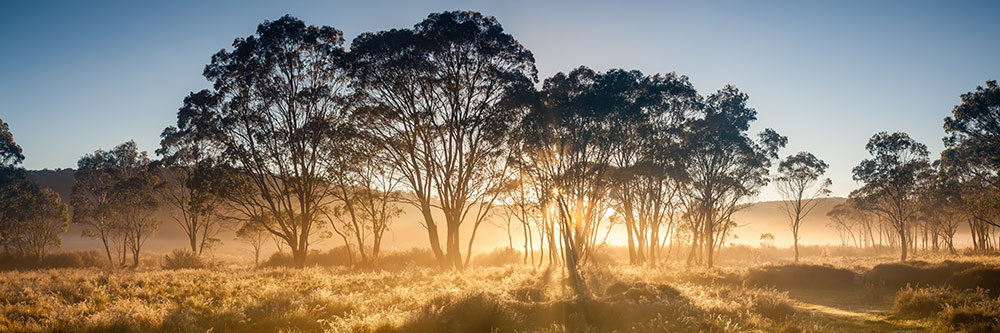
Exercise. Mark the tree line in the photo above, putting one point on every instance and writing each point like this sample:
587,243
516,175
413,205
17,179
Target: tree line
300,137
910,201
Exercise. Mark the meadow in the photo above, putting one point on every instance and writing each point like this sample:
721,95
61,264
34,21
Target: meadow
849,295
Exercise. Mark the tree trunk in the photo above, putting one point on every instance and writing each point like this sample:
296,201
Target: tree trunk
795,244
709,243
454,258
299,257
194,244
107,248
902,243
432,233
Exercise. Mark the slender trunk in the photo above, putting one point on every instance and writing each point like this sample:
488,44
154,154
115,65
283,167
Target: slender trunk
107,249
432,233
795,242
902,239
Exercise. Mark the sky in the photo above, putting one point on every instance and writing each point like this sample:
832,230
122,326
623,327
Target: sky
76,77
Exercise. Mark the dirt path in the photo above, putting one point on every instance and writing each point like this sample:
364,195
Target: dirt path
853,310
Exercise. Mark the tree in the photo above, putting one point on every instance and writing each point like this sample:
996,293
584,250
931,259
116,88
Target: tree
799,185
846,217
437,96
14,184
568,152
93,199
725,165
10,151
135,186
973,131
365,186
647,116
114,199
191,185
40,230
276,96
972,159
891,180
254,235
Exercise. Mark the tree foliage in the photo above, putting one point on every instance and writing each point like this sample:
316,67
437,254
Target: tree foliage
800,185
891,179
439,97
277,95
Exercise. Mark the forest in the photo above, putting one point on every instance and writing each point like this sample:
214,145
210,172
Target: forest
302,136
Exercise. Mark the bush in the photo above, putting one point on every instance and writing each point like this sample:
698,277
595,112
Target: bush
923,302
499,257
975,317
183,259
71,259
802,276
415,257
916,273
977,277
477,312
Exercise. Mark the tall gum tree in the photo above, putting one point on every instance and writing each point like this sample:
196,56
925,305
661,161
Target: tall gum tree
800,185
438,96
276,96
726,166
891,181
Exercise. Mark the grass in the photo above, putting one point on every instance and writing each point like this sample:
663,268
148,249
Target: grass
487,297
508,298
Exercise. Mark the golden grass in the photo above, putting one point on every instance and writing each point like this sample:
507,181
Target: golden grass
506,298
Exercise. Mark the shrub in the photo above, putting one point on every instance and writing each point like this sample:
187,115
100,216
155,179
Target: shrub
771,307
415,257
920,302
976,317
923,302
977,277
802,276
183,259
337,256
477,312
499,257
916,273
69,259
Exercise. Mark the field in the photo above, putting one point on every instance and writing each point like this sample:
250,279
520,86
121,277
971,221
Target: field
507,298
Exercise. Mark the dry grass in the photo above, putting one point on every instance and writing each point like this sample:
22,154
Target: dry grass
509,298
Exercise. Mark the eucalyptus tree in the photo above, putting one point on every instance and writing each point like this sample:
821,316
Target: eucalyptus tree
438,97
276,96
725,165
93,199
190,184
973,134
568,152
646,113
135,188
14,183
366,188
891,180
38,231
800,185
10,152
254,235
972,158
114,198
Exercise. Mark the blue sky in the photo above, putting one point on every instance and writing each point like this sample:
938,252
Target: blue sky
78,76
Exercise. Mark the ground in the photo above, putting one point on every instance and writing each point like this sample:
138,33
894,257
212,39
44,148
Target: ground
508,298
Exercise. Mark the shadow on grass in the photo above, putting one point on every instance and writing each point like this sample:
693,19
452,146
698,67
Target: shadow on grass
539,305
